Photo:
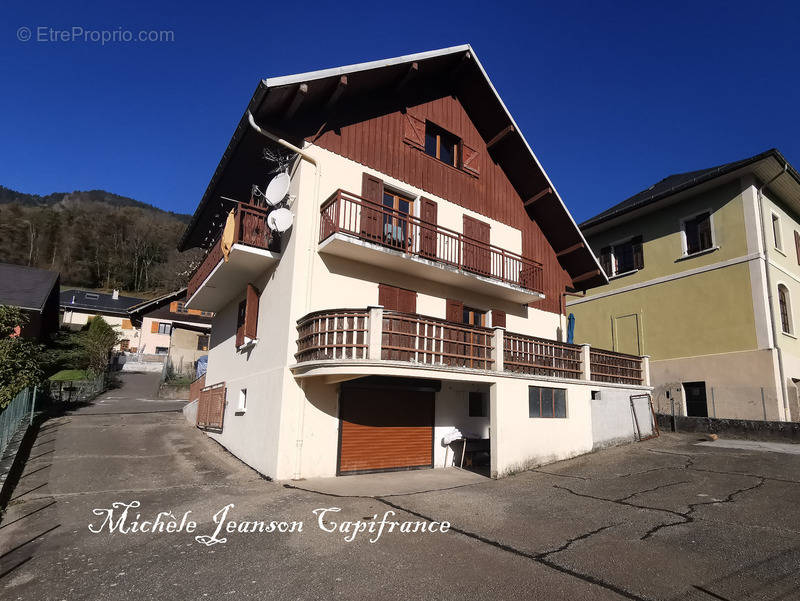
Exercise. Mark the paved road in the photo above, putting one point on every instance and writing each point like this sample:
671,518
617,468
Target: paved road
665,519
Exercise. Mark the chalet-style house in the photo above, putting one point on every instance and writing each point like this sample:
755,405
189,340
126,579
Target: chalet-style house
35,293
79,306
704,272
167,327
420,288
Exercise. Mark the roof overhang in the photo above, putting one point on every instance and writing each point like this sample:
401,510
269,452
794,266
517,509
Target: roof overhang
299,106
770,168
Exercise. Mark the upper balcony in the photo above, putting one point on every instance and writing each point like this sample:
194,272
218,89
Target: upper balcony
359,229
253,248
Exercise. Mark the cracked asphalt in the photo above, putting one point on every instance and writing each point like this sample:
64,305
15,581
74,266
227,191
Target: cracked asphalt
662,519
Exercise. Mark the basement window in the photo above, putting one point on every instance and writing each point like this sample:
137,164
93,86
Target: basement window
547,402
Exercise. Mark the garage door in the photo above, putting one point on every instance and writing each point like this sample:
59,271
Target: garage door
384,429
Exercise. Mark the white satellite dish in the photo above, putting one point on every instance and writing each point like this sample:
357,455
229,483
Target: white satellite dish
277,189
280,220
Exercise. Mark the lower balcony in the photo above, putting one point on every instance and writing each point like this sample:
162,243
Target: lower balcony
361,230
375,335
220,277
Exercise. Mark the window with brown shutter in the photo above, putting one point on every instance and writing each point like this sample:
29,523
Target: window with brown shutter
429,212
498,318
638,253
370,220
469,159
605,260
154,327
413,131
251,313
240,317
393,298
454,310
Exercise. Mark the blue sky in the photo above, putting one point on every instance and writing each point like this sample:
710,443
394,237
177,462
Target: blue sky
611,99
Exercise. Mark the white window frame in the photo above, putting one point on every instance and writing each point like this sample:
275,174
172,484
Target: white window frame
613,245
685,245
241,405
777,242
789,311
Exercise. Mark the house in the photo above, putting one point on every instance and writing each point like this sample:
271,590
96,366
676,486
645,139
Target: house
167,327
35,292
704,271
419,288
79,306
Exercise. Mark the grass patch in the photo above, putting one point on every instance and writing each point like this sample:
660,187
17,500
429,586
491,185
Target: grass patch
70,375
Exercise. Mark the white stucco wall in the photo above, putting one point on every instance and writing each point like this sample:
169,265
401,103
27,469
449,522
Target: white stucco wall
613,419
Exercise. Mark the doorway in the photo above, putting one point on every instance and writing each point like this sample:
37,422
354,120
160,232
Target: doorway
696,404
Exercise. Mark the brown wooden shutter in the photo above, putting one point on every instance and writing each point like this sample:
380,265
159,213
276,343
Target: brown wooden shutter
173,307
251,313
372,190
429,213
605,260
407,300
797,245
154,327
476,256
455,310
498,318
469,161
638,253
413,130
240,319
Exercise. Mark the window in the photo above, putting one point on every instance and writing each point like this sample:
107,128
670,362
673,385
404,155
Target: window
124,344
697,233
92,296
477,405
622,257
395,222
162,350
474,317
547,402
247,318
242,406
164,328
785,309
776,232
180,307
202,342
441,144
595,395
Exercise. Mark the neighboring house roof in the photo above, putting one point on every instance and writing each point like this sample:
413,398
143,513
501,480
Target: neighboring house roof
680,182
159,308
101,303
459,69
26,287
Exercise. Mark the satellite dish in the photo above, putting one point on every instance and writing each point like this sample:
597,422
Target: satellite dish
280,220
277,189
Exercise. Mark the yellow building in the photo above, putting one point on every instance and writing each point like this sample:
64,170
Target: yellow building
704,268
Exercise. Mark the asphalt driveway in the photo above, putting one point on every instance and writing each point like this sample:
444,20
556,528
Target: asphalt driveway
664,519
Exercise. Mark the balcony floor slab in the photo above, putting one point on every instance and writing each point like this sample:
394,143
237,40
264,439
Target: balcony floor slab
355,249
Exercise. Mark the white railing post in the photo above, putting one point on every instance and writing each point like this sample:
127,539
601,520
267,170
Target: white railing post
374,332
498,348
586,362
646,370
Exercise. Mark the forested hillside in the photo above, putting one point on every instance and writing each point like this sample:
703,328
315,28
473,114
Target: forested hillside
95,239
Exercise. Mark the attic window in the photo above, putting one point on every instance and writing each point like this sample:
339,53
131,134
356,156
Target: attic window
441,144
92,296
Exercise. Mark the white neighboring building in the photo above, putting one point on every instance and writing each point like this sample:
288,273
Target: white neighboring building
79,306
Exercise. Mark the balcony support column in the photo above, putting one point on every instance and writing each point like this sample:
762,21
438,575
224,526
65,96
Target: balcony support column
374,332
497,348
586,362
646,370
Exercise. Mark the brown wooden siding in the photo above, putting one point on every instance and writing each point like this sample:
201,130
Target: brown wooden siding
379,143
385,430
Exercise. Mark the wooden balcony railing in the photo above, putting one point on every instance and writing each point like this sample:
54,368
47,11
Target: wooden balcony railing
250,229
432,341
376,334
372,222
337,334
609,366
541,357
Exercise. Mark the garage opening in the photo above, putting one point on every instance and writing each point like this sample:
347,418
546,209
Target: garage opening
386,424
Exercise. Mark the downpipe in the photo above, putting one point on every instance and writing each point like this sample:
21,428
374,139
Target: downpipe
770,299
300,388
